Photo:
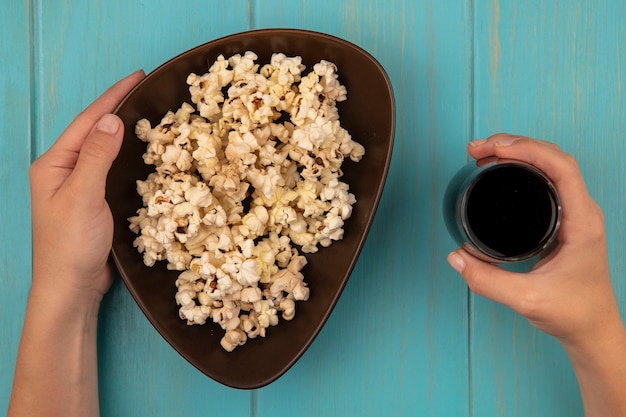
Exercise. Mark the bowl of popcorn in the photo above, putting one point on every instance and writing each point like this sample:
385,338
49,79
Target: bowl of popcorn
247,182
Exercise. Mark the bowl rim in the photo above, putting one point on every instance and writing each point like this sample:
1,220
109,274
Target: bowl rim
269,31
375,200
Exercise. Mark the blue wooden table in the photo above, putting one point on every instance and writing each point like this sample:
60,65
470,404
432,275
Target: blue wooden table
406,338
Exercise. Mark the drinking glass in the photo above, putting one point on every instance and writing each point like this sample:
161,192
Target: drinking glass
502,211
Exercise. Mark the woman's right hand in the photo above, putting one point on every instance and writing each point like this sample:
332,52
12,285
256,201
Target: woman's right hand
569,294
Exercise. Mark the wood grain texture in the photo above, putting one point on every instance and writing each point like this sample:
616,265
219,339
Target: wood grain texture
396,343
406,338
551,70
82,48
15,148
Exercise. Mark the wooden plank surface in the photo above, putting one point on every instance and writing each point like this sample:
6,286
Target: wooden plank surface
82,48
406,338
396,344
551,70
15,149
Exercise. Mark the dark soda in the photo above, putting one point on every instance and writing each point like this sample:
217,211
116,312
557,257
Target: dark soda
511,210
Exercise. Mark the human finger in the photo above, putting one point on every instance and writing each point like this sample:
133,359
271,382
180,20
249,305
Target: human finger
559,166
96,155
50,170
72,138
546,156
483,148
489,280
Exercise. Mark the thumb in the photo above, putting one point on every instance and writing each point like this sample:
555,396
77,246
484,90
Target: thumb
488,280
96,155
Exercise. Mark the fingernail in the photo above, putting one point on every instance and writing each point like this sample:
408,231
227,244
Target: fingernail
505,142
478,142
109,124
456,261
137,72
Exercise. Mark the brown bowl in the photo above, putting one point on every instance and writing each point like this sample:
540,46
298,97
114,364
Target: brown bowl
368,114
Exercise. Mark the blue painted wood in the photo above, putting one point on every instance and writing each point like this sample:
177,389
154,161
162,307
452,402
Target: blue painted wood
82,48
554,71
406,338
15,148
397,343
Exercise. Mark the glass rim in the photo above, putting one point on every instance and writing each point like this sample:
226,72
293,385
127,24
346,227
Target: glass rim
550,237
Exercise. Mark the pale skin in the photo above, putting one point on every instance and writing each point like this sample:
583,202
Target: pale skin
72,237
569,294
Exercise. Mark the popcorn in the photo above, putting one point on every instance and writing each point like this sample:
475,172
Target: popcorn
246,178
